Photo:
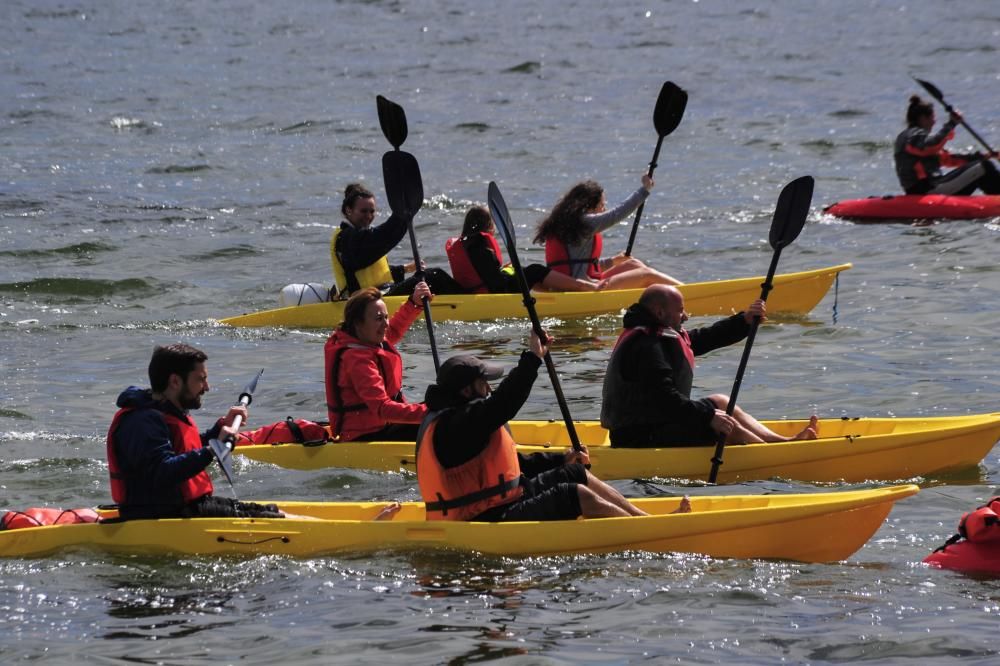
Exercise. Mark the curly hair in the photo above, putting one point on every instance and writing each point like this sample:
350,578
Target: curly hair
563,222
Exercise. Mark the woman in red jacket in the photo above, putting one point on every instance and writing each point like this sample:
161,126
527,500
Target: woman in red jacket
364,372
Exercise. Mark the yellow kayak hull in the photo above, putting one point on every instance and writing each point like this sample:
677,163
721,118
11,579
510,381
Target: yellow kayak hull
793,292
819,527
853,450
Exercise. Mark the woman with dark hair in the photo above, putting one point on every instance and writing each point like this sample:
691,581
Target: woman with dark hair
920,155
364,372
477,262
573,244
358,251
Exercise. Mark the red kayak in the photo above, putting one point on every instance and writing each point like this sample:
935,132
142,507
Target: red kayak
917,207
976,546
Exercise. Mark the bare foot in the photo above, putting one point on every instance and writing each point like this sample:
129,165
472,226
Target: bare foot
685,506
389,511
811,431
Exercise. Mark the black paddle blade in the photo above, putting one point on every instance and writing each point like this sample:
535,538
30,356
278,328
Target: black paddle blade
403,187
791,212
931,89
392,118
669,109
501,217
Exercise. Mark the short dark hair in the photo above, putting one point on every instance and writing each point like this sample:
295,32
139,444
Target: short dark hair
354,309
176,359
352,193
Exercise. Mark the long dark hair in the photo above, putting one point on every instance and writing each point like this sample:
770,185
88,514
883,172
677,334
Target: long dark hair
564,220
354,309
352,193
917,109
476,220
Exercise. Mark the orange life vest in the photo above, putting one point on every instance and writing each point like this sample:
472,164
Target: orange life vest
557,257
461,493
461,266
184,436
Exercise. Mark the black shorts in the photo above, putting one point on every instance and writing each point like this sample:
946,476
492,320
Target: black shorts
664,435
210,506
552,495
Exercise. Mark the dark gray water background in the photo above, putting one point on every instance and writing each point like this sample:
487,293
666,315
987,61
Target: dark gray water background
165,164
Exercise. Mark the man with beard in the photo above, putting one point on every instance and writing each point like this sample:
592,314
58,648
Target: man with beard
157,457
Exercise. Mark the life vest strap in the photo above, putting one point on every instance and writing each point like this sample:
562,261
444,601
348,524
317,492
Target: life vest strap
502,488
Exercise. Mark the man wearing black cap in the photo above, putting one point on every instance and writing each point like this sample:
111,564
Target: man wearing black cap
467,464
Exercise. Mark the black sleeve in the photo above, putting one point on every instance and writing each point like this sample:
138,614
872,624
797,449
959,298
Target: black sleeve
720,334
145,451
485,263
463,433
358,248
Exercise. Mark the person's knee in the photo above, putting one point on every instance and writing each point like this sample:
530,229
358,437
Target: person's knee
720,400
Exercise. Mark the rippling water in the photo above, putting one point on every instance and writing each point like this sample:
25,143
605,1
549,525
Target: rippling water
166,164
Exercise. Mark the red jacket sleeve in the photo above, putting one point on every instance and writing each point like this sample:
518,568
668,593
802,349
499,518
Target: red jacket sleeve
401,321
370,387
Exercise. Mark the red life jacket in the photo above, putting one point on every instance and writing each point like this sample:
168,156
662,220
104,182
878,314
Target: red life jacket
289,431
184,436
461,266
461,493
983,524
682,335
348,413
39,517
557,257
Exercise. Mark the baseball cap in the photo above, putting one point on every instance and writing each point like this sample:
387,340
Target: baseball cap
460,371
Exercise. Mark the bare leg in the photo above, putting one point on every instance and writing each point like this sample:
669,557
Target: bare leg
609,494
750,430
620,277
556,281
593,506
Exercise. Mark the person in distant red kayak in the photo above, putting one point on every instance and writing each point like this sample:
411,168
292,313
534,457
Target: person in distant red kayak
920,155
647,388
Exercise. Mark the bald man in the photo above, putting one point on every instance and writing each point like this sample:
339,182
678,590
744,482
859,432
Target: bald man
647,388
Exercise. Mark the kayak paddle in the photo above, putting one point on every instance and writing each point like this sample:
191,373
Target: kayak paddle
223,450
789,218
404,189
936,93
501,217
667,116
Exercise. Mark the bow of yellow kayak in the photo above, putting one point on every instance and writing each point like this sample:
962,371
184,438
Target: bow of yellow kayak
793,293
857,449
818,527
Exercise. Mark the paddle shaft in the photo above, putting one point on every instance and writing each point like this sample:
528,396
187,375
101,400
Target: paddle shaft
427,303
765,289
536,324
638,211
939,96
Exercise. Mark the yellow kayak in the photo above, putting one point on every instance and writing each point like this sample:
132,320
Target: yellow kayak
819,527
793,292
855,449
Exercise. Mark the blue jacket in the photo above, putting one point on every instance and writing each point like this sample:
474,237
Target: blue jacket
146,456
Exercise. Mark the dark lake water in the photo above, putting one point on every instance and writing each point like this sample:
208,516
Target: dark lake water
163,165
